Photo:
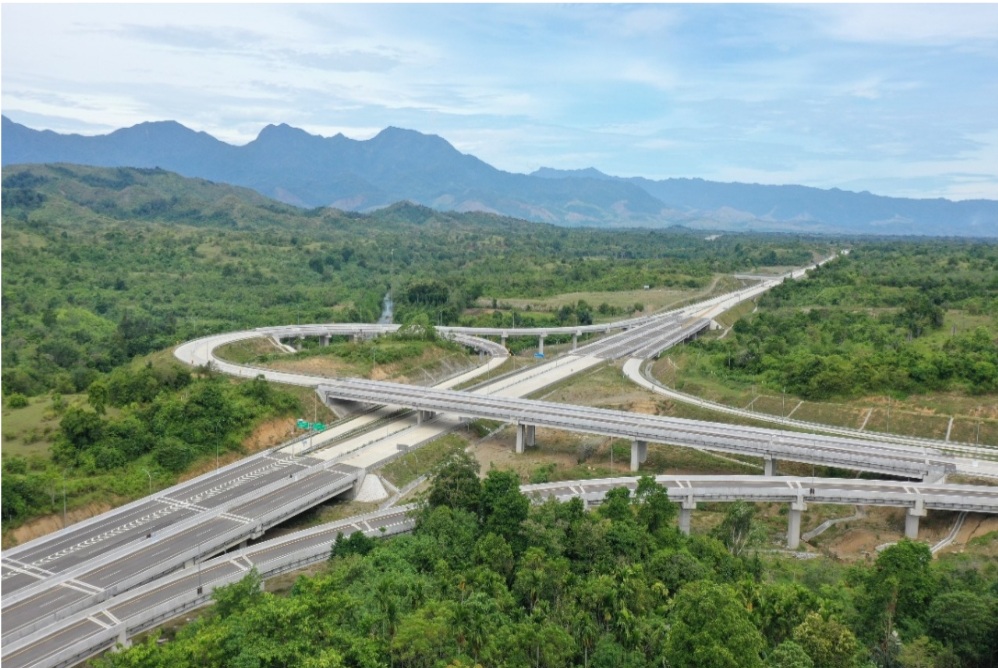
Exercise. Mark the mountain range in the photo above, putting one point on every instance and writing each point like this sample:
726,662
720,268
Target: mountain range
295,167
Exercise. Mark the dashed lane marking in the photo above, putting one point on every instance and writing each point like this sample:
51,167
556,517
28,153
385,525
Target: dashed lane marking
190,503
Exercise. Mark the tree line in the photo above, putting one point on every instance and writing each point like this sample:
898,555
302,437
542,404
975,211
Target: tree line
488,579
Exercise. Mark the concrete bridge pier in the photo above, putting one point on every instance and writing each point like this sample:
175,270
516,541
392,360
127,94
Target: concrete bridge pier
540,344
793,523
769,465
526,434
639,454
575,341
298,343
123,641
911,519
324,339
424,416
502,339
686,514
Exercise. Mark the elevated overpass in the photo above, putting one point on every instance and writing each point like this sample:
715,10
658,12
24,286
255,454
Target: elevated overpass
770,444
98,628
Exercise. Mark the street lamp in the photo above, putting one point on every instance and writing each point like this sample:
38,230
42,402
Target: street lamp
146,471
64,497
198,557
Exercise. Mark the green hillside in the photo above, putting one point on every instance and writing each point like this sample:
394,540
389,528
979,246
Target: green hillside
100,265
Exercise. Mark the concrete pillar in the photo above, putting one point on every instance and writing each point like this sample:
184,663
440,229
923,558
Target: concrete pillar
769,465
502,340
540,344
520,435
324,339
686,514
575,341
123,640
424,416
639,453
531,435
911,519
793,524
357,337
298,344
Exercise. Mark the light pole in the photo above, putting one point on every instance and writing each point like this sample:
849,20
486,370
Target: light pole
198,557
63,497
146,471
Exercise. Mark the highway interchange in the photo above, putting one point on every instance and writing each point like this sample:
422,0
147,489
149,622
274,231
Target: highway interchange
86,575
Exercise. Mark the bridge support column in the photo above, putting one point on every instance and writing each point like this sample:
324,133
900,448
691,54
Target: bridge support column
324,339
575,341
639,453
793,524
531,435
521,430
123,640
540,344
769,465
502,340
686,514
424,416
911,520
298,344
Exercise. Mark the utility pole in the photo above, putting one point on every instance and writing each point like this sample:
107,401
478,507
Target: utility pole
146,471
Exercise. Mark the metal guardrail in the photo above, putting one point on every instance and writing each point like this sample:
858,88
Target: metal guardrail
722,489
982,452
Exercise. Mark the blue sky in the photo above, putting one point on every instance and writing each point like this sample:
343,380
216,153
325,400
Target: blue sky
897,99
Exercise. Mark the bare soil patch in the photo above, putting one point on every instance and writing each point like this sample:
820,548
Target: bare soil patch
50,523
267,435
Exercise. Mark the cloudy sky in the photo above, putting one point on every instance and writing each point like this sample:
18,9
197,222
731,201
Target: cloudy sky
895,99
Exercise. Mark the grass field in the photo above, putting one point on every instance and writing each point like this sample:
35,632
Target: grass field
653,300
30,430
407,468
974,418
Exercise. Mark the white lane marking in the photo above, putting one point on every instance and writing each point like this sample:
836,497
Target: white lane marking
81,586
93,618
114,620
173,506
17,568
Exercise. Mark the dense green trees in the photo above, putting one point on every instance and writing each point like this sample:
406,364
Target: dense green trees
163,420
870,322
604,588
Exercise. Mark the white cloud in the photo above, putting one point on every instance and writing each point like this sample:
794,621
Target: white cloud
937,24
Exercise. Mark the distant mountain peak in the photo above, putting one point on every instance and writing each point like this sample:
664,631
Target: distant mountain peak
587,173
397,164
